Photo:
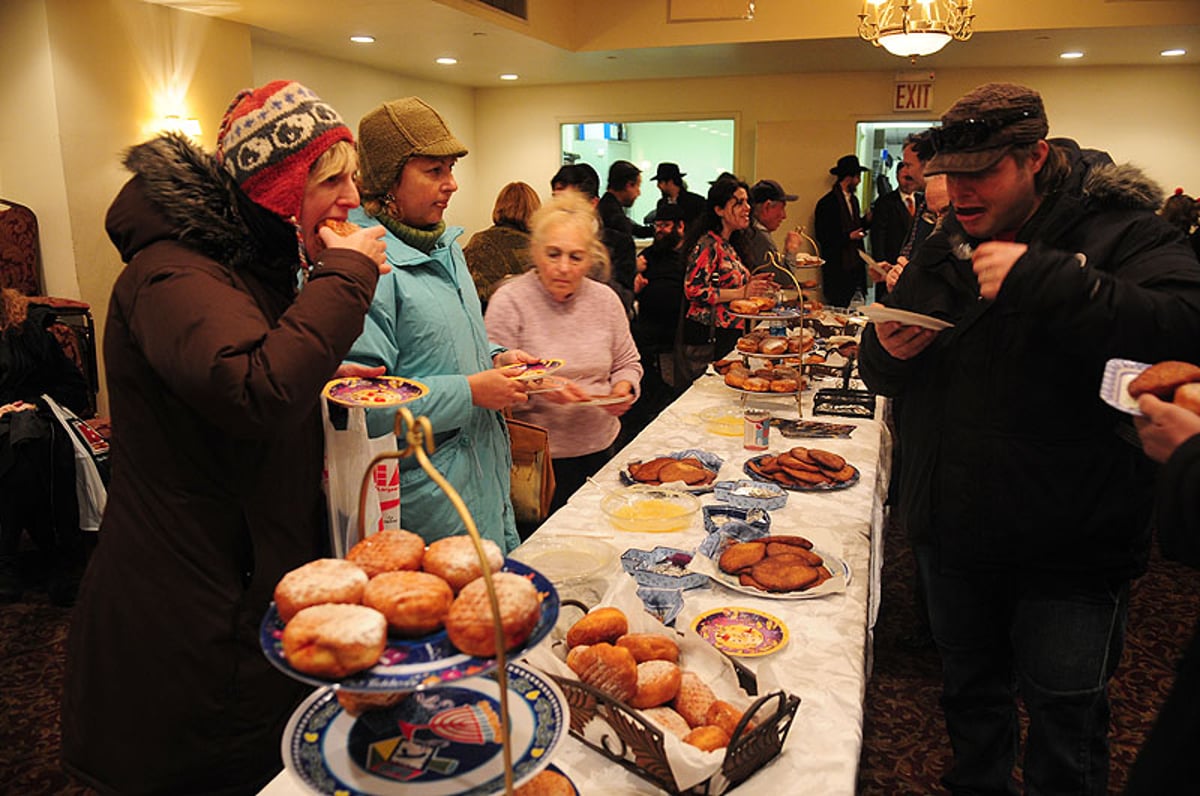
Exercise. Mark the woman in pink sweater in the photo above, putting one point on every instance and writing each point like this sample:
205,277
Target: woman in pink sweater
556,312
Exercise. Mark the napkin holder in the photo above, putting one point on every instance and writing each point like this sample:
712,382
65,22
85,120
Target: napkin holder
747,494
844,401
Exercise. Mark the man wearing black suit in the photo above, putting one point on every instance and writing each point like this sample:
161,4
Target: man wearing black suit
894,213
840,230
674,190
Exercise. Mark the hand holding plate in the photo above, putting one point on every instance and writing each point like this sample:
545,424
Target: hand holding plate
491,389
1164,426
513,356
569,393
621,388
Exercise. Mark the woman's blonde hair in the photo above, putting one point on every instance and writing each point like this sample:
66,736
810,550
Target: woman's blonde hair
570,208
338,159
515,205
14,308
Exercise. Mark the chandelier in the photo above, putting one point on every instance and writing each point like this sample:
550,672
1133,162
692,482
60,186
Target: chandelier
909,28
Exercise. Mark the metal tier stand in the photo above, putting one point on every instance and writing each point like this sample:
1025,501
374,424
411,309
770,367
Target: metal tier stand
417,433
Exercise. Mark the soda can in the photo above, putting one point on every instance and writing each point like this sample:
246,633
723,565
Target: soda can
757,429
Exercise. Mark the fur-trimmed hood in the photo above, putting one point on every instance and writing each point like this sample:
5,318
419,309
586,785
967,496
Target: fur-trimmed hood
1105,185
180,193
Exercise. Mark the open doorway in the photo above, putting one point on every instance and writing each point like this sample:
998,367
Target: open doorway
879,147
703,148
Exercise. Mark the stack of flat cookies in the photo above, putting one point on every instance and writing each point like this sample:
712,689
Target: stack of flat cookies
779,563
803,467
668,470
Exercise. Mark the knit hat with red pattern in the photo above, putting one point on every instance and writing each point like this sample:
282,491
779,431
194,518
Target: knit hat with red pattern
269,139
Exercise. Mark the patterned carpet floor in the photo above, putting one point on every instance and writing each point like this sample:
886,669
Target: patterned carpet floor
905,750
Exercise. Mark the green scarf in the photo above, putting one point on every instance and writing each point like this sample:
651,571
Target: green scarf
422,240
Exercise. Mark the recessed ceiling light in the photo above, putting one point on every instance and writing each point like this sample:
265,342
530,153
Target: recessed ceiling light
509,76
1068,56
1173,53
363,39
447,61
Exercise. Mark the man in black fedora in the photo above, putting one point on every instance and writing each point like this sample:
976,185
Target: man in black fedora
840,230
675,192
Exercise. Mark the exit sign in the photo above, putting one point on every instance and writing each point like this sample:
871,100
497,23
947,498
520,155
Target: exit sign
912,96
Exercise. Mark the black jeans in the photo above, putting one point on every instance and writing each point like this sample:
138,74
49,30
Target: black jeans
1055,640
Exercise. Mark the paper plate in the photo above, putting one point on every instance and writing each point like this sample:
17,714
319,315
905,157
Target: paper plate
375,392
881,314
1114,387
743,632
434,743
418,663
544,384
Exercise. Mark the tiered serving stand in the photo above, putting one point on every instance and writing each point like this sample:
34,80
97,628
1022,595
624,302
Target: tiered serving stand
382,754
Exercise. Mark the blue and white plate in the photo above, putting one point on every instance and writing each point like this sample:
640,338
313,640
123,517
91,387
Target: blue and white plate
434,743
717,516
420,663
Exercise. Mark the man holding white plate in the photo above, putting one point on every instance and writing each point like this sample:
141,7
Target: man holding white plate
1028,507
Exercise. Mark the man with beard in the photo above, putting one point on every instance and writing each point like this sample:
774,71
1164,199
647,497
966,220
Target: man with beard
669,180
659,287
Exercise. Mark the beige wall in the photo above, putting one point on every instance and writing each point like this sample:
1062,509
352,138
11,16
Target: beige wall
94,75
794,127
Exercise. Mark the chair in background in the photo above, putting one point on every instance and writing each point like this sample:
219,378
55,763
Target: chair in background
20,269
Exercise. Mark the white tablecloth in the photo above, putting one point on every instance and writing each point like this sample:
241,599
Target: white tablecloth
827,659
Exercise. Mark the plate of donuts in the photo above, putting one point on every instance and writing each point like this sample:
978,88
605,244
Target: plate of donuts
803,470
415,664
432,743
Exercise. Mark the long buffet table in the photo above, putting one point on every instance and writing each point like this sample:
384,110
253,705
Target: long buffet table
827,660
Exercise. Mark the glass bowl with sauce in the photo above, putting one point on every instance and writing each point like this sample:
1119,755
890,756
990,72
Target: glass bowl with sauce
650,509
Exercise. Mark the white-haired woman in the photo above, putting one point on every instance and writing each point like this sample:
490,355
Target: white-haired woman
557,311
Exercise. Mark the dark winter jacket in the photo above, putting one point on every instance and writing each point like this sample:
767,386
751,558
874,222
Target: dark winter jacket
214,364
1011,459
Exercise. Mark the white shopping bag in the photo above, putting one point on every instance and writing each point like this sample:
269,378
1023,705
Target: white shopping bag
348,453
91,456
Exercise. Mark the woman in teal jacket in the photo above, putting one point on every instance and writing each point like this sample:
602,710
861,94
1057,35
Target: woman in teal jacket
425,324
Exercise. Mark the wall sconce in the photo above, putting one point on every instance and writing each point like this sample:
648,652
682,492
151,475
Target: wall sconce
189,126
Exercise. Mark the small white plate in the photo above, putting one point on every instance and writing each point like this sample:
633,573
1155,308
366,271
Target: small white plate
880,314
1114,388
604,400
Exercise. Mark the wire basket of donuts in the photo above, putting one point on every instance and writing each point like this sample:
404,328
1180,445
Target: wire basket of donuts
631,690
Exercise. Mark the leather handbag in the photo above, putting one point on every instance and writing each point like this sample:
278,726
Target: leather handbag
532,488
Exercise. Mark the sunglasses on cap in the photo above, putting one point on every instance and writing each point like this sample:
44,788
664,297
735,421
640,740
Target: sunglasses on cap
974,133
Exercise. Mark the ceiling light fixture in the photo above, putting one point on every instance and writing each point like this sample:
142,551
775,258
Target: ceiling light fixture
363,39
1173,53
1071,55
509,76
446,61
909,29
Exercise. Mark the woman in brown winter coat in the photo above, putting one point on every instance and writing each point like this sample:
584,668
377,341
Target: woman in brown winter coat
215,360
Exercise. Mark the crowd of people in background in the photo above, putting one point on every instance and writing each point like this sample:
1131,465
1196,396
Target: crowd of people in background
1028,509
